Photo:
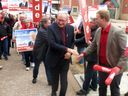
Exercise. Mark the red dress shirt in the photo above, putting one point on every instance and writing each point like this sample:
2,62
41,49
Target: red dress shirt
103,45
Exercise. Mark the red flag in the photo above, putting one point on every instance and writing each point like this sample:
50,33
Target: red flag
84,12
50,2
37,10
71,20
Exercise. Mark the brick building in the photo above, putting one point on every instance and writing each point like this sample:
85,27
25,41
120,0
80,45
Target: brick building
120,10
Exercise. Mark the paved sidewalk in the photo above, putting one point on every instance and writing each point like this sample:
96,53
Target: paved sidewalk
16,81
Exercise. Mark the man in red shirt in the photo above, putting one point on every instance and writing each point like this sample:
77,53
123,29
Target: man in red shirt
110,43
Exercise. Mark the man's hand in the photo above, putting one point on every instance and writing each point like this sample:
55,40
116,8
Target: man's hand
80,57
115,70
67,55
72,51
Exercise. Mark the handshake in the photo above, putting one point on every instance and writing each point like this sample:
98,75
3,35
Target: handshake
70,52
73,52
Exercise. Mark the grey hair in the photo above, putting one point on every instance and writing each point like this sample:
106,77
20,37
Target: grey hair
64,13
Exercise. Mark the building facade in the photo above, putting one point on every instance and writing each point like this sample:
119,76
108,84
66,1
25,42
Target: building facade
118,8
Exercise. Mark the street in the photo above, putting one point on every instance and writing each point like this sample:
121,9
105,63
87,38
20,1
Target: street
16,81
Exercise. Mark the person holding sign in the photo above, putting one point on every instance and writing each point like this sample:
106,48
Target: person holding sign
110,43
28,54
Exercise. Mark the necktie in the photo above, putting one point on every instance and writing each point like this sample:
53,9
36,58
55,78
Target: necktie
63,35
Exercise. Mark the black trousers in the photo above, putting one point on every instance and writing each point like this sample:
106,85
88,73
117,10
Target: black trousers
114,87
47,70
59,72
28,58
36,69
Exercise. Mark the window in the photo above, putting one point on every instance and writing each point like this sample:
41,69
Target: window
74,9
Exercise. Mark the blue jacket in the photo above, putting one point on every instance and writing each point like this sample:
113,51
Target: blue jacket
57,49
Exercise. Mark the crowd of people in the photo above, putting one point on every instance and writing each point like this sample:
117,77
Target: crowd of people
54,46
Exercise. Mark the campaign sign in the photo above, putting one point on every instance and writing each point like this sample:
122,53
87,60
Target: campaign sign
25,39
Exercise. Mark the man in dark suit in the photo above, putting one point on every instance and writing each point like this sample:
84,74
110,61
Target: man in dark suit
61,41
40,50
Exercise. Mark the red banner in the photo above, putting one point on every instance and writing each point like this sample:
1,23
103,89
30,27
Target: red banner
50,2
84,12
37,10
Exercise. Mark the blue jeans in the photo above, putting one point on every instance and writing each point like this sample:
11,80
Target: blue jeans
80,50
4,47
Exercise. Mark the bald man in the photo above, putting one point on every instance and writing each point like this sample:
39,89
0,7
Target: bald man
61,40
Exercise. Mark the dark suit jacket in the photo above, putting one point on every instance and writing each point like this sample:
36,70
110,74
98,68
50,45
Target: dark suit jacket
41,44
57,49
80,38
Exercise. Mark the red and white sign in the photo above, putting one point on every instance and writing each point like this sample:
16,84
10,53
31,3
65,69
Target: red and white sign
84,11
37,10
19,5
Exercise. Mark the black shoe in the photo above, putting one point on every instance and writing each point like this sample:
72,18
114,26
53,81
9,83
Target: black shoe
9,54
6,58
82,92
0,58
49,83
54,94
94,89
34,80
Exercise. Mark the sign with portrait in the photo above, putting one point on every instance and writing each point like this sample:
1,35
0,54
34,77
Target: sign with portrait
25,39
20,5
